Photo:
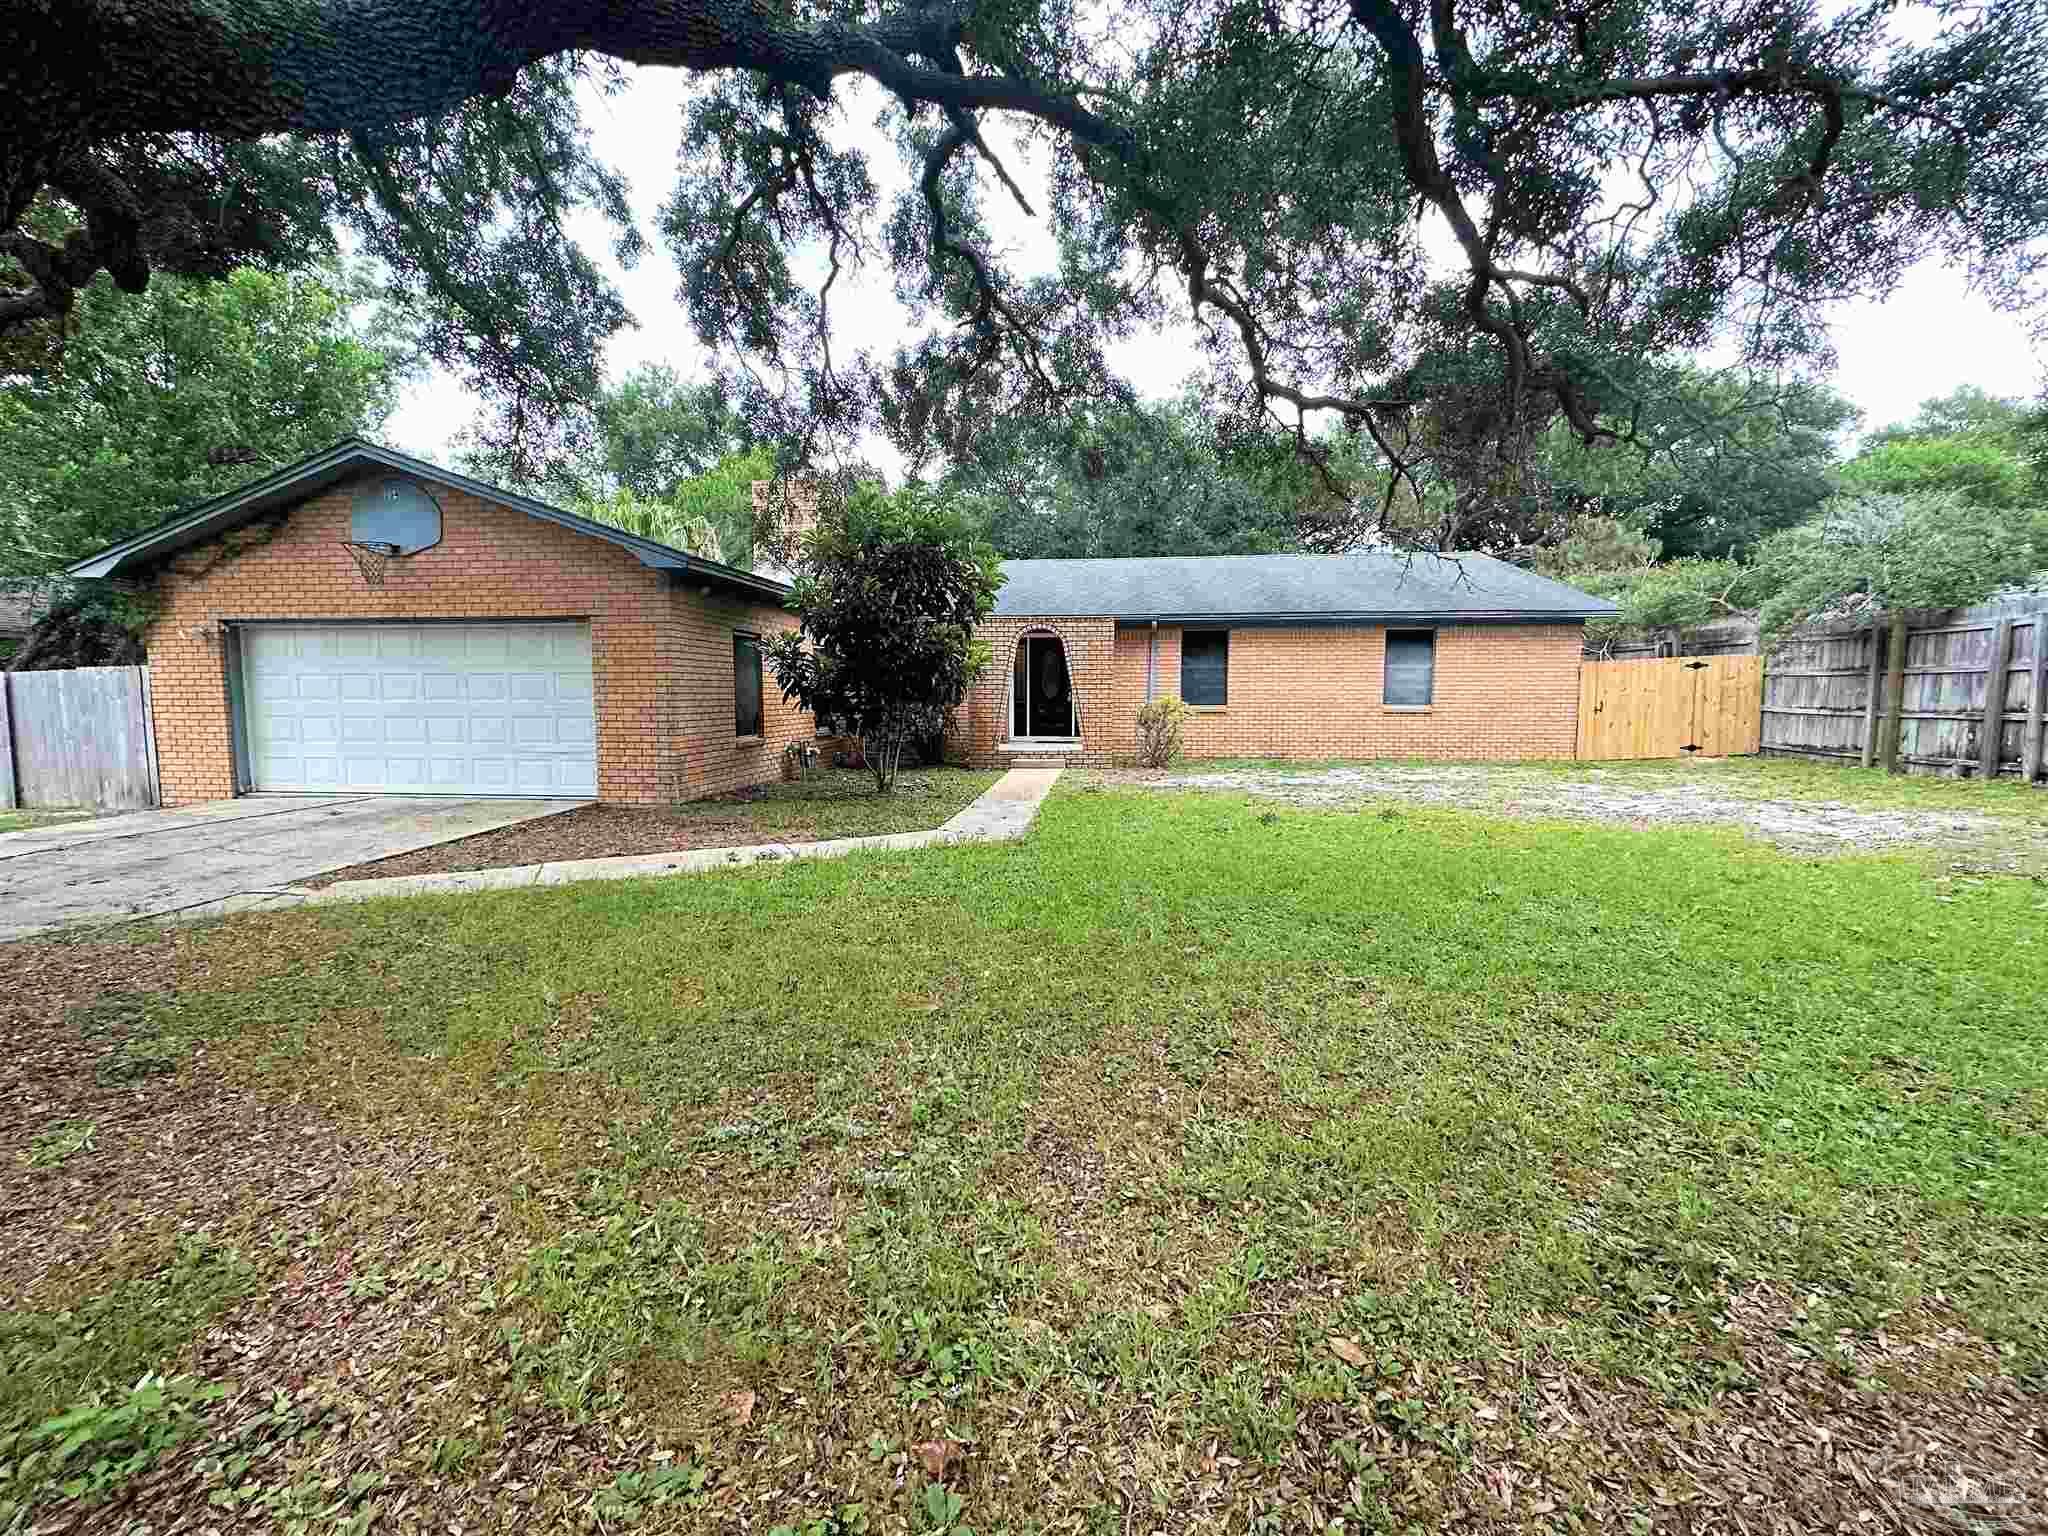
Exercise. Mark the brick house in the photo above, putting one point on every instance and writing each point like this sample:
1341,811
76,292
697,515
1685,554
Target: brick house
1303,656
365,622
512,648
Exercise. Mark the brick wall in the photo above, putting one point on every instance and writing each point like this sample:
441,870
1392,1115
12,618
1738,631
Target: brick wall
661,655
705,757
1502,692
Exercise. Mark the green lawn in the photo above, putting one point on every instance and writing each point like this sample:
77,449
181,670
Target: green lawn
23,821
1191,1164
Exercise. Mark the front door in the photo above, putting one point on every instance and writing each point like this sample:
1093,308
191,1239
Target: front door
1043,690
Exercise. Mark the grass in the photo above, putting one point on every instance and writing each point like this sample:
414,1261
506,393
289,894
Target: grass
60,1142
841,802
1192,1160
27,821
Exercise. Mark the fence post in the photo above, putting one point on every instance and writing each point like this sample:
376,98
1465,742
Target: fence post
1991,736
9,796
1894,693
2037,703
1871,683
156,786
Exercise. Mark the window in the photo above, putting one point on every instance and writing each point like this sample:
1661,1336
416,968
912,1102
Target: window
746,685
1411,667
1205,667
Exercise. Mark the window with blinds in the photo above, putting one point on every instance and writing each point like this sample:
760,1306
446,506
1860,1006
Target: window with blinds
1411,667
1205,666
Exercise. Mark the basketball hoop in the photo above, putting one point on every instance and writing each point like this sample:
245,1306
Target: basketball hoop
370,557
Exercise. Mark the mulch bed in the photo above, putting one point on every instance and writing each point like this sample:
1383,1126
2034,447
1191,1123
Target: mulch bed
590,832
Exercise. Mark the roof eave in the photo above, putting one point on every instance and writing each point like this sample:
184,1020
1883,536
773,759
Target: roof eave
749,583
1363,617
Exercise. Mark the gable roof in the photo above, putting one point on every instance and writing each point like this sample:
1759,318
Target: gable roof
352,456
1295,589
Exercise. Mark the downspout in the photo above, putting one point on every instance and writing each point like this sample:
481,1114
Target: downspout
1151,659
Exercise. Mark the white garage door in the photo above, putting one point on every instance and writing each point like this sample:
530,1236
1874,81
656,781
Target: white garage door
420,709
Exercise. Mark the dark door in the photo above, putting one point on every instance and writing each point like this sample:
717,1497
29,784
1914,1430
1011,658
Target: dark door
1048,691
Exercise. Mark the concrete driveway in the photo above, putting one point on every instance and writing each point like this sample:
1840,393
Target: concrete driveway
224,856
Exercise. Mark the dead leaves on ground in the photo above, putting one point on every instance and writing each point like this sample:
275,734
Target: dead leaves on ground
738,1406
935,1456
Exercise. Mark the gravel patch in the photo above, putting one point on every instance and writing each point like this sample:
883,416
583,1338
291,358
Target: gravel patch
1800,826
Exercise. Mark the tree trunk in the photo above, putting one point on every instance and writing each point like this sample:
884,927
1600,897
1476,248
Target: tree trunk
884,752
1894,695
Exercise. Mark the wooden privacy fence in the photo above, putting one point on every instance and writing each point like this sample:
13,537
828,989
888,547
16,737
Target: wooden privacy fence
1976,692
1680,706
80,737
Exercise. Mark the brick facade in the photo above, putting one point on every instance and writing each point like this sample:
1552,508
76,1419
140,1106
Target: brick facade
1502,692
982,724
661,652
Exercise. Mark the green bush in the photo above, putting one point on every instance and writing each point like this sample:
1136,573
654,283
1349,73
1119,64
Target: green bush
1159,730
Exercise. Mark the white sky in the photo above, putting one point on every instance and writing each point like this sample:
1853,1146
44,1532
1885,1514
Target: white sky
1929,337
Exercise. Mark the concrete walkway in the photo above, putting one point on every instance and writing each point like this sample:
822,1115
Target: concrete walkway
198,858
1004,812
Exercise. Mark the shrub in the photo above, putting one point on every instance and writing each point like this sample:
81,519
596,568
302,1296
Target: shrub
890,590
1886,552
1159,729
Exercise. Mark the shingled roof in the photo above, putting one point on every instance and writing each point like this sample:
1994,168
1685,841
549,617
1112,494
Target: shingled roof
1377,588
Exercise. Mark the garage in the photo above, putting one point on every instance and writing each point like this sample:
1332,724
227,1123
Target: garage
365,622
434,708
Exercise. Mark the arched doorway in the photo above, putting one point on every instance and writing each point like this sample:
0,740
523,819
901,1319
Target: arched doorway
1042,690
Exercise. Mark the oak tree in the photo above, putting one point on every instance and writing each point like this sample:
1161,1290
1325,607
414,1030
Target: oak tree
1447,224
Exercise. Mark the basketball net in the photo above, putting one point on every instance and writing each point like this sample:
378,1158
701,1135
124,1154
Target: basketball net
370,559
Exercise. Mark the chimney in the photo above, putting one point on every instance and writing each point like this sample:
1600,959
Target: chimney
785,525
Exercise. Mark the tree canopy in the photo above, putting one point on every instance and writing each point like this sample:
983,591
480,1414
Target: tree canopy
1735,459
1144,479
1882,552
646,435
711,514
1446,227
1980,468
1965,410
173,395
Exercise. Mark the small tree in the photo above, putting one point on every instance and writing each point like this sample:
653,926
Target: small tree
889,591
1612,560
1896,553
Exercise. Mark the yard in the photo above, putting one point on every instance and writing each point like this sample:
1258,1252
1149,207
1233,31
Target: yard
1203,1161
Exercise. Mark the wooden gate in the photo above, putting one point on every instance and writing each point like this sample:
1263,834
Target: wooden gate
79,737
1677,706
